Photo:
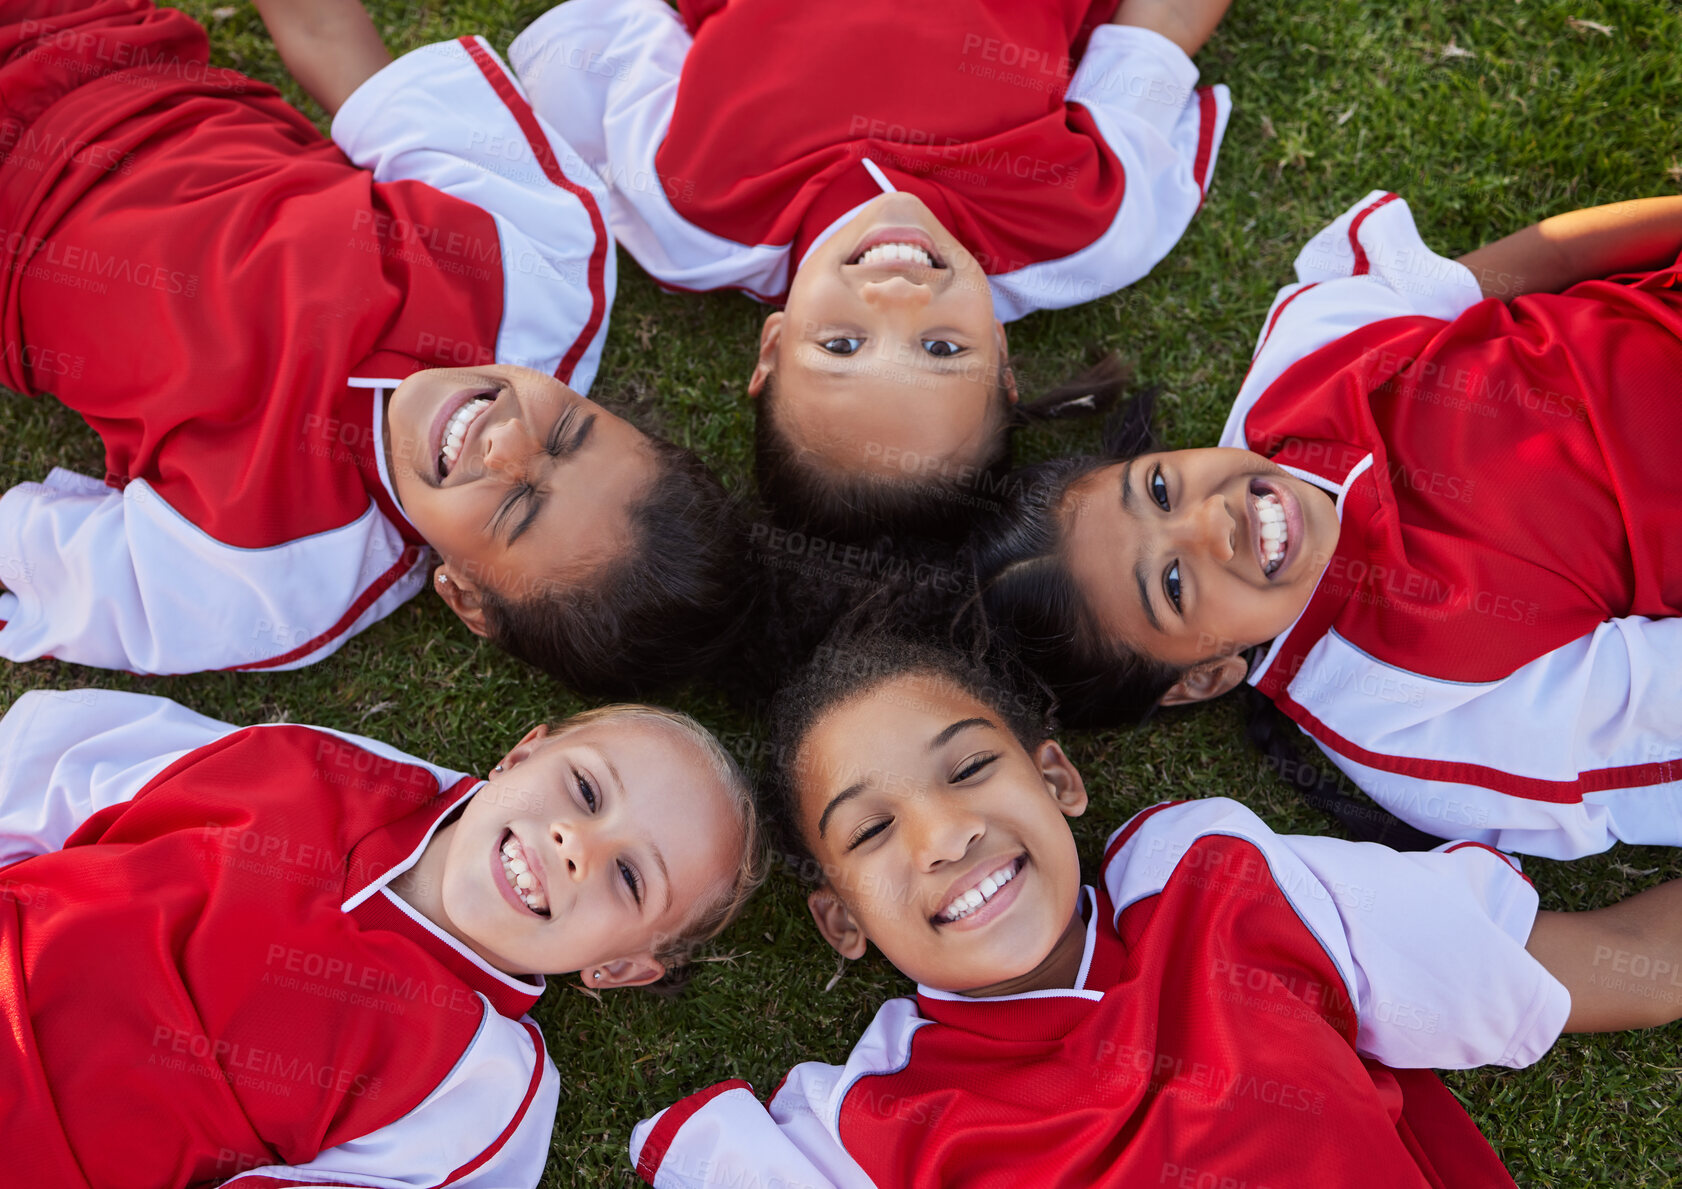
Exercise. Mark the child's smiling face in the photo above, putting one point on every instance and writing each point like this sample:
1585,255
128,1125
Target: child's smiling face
942,839
621,831
1192,555
515,479
887,356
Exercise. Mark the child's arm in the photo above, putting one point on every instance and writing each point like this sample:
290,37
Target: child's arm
1598,241
1622,964
330,46
66,754
1187,23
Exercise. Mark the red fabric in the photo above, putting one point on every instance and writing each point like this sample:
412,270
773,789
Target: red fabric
241,1017
1523,487
1222,1049
960,104
197,272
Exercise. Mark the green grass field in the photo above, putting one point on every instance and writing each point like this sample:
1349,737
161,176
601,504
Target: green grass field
1484,116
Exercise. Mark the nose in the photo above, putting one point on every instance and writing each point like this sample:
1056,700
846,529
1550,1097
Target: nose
573,849
945,833
509,448
896,293
1209,528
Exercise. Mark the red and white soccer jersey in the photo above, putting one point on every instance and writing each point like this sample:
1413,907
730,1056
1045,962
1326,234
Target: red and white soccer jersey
208,907
1252,1009
1067,158
1494,651
226,299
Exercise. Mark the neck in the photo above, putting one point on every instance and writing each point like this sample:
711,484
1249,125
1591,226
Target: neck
1056,972
421,887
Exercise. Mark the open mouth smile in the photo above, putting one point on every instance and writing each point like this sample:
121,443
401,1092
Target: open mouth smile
454,434
987,891
522,880
1278,525
904,248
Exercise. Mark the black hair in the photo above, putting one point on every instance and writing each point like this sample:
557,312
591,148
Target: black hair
1032,604
853,506
668,610
854,661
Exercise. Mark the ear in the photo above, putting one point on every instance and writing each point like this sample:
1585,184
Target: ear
1211,679
770,335
636,971
837,923
524,747
1006,373
1062,779
462,597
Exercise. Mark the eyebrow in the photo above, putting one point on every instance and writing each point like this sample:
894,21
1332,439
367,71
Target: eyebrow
1139,572
840,799
962,724
665,875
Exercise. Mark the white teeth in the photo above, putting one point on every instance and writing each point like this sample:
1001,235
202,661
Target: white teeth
1274,535
455,431
521,879
888,252
973,899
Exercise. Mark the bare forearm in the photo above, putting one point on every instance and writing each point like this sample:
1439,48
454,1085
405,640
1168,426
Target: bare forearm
1556,253
1187,23
1622,964
330,46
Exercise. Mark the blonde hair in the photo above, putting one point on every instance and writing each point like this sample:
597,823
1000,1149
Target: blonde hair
712,917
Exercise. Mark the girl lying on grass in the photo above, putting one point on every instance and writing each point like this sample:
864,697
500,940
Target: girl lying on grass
1227,1005
306,958
303,366
902,179
1442,534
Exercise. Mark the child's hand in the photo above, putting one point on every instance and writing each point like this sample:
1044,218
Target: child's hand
330,46
1187,23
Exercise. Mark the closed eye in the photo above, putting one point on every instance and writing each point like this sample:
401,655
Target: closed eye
867,832
587,791
972,766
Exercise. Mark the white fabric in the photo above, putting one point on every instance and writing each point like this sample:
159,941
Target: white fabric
67,754
432,116
120,580
1609,699
1430,944
1139,88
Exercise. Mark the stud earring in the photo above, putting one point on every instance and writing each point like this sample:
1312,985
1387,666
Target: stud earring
442,579
598,974
498,768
